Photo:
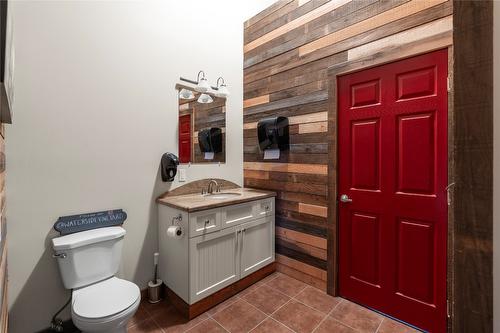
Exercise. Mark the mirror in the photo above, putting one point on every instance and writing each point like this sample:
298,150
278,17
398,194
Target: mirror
202,126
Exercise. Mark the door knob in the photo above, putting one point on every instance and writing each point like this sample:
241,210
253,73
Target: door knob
345,198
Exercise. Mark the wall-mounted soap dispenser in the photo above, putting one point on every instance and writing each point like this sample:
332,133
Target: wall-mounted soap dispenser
210,140
169,163
273,133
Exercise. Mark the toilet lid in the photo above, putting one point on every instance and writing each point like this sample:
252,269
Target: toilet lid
104,299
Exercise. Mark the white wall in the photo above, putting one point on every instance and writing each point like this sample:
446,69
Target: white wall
94,110
496,167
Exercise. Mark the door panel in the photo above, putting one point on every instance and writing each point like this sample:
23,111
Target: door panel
257,245
392,155
185,138
214,263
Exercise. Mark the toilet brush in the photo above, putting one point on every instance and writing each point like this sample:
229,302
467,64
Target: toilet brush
154,286
155,273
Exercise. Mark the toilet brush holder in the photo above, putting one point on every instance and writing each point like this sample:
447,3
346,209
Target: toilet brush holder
154,291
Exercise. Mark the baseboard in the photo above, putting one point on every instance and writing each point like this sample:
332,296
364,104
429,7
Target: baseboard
194,310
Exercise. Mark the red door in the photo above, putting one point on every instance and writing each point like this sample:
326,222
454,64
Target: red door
393,163
185,138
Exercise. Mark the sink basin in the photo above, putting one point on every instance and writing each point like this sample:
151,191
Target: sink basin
222,195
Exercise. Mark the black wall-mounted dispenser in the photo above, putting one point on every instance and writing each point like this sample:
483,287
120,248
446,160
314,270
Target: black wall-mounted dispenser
210,140
169,163
273,133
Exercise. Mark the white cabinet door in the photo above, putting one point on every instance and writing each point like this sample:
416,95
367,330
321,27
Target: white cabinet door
214,263
257,245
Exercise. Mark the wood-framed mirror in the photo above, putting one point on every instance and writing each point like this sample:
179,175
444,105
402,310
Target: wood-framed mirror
201,127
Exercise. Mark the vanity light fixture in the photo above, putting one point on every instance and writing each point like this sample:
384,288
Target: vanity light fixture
186,94
221,90
202,85
205,99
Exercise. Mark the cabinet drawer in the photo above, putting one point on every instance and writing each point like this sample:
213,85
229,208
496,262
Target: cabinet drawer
204,222
237,214
264,207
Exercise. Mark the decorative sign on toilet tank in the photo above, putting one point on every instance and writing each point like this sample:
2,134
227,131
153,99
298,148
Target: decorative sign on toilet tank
76,223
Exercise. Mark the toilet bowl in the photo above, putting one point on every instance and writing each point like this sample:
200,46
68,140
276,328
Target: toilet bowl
106,306
88,261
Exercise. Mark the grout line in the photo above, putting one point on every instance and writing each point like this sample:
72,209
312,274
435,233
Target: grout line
379,325
204,320
279,308
225,329
327,315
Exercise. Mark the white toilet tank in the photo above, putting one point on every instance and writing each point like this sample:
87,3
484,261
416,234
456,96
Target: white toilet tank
89,256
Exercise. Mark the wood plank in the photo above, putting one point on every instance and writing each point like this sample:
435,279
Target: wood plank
303,197
427,30
313,209
473,132
301,237
391,15
310,229
294,120
283,62
302,247
280,18
329,6
320,189
271,9
256,174
301,256
256,101
301,267
313,127
287,102
286,167
308,279
349,14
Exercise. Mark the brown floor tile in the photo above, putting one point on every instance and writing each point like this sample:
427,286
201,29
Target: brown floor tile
330,325
317,299
207,326
239,317
171,320
357,317
270,277
251,288
266,299
298,317
146,326
391,326
287,285
222,305
139,316
270,325
152,308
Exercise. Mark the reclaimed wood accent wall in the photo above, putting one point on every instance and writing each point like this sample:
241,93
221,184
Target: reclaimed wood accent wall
288,49
3,234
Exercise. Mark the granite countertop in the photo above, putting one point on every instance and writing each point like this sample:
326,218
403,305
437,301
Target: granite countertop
196,202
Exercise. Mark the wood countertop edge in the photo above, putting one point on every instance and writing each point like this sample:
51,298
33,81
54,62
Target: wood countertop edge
262,194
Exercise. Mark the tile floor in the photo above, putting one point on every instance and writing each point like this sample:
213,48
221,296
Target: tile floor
275,304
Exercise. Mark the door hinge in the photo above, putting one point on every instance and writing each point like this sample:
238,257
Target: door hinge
448,84
448,308
448,194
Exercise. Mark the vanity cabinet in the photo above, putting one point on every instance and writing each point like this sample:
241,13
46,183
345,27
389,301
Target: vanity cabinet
218,247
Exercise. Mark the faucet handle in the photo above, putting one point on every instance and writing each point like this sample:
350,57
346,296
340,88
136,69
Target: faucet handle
218,188
203,191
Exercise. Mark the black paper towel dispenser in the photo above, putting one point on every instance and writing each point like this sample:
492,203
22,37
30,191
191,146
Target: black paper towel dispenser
273,133
169,163
210,140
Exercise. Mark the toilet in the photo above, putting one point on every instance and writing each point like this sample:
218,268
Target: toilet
88,262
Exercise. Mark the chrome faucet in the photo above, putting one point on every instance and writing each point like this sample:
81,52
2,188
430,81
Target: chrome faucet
210,187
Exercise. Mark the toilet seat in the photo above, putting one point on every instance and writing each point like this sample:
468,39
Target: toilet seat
104,299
